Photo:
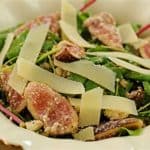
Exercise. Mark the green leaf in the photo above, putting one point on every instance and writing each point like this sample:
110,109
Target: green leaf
90,85
146,106
144,113
77,78
136,26
51,40
100,48
120,72
45,55
137,76
16,45
146,87
81,17
131,132
2,40
95,59
145,116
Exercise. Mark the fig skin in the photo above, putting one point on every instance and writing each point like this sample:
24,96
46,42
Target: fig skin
51,108
16,101
102,27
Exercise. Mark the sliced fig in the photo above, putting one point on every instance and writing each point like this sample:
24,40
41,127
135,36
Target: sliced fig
145,50
102,27
51,19
16,101
107,18
52,108
69,52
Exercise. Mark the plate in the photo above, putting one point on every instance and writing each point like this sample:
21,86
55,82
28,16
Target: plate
20,10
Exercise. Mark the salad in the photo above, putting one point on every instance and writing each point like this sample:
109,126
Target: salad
74,75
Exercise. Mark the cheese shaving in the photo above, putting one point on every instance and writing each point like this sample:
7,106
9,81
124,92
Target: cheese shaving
6,47
68,24
110,102
127,33
129,66
86,134
29,51
32,72
97,73
121,104
141,61
90,108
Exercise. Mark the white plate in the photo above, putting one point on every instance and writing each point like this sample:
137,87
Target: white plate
15,11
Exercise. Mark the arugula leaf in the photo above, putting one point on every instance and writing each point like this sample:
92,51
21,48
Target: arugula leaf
137,76
146,106
144,113
2,40
50,41
83,31
120,72
131,132
99,47
81,17
77,78
136,26
146,87
95,59
90,85
16,45
44,56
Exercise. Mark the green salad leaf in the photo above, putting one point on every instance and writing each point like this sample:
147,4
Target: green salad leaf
77,78
137,76
130,132
89,85
146,87
81,17
50,41
16,45
2,40
136,26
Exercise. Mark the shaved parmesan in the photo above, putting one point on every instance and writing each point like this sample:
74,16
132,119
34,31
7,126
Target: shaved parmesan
68,13
127,33
129,66
17,82
68,24
32,72
29,51
72,34
139,43
121,104
75,102
34,42
6,47
97,73
90,108
127,56
86,134
115,103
